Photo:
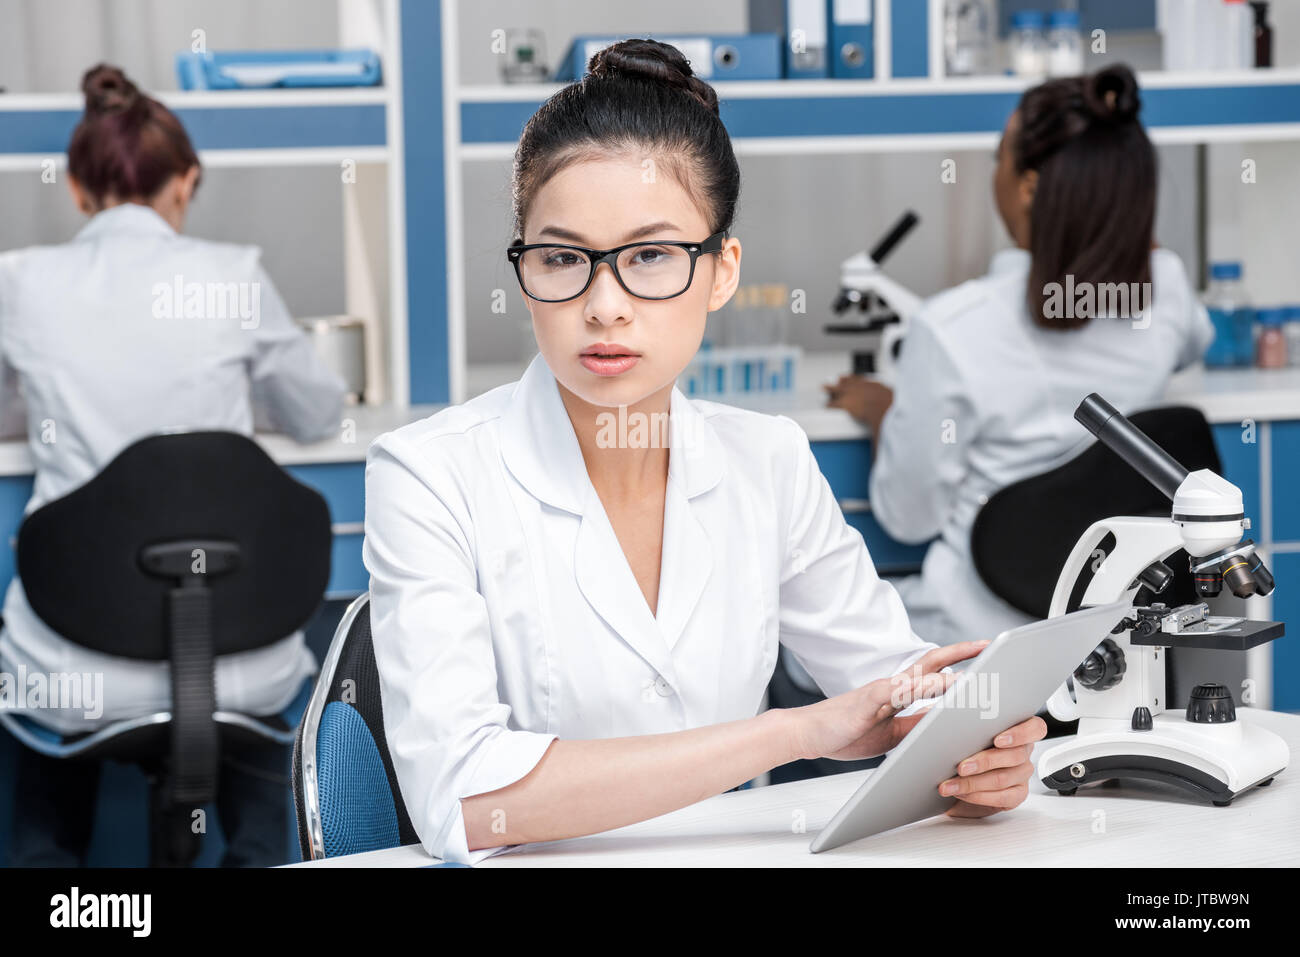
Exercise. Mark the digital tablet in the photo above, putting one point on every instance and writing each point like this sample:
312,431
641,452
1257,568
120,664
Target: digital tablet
1008,682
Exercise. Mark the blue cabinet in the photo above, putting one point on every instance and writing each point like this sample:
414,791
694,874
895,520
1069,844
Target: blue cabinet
343,484
1239,456
1286,650
847,467
1284,449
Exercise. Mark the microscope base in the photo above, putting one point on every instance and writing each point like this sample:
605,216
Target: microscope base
1213,763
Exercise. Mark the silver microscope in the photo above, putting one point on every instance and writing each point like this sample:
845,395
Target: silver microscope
1210,750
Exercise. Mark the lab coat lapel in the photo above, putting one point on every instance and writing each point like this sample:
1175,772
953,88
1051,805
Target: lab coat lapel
695,465
686,566
607,582
538,444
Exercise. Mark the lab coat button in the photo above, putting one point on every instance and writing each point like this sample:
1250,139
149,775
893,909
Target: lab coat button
665,690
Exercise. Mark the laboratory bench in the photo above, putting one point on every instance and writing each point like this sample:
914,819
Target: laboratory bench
1137,824
1254,414
1257,456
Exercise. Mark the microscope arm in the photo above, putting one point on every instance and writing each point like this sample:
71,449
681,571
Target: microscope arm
1139,542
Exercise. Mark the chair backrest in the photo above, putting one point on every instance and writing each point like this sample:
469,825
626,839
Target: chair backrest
1022,537
344,787
82,561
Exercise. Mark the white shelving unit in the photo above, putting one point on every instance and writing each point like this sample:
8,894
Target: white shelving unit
885,115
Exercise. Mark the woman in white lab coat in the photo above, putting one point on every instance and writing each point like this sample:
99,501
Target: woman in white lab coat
579,580
105,352
991,371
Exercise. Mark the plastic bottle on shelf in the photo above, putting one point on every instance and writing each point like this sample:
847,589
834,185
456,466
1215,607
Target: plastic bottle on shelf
1028,44
1291,329
1270,348
1231,316
1064,44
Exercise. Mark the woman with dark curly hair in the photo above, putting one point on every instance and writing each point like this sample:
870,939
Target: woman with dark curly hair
991,371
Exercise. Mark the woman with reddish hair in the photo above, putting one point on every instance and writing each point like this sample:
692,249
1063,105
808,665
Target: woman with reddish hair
129,329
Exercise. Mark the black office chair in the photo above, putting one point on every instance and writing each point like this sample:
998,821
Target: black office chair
345,790
1022,537
185,547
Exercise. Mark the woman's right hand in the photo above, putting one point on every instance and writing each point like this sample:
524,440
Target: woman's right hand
864,722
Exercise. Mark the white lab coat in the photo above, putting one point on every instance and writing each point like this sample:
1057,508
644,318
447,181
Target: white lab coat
85,334
986,398
505,614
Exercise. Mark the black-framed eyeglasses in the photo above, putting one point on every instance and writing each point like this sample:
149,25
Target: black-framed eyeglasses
558,272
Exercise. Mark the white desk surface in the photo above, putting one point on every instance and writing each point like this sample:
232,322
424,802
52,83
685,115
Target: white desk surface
1135,824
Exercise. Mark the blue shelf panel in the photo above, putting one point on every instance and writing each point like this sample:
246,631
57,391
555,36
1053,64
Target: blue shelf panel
217,127
945,112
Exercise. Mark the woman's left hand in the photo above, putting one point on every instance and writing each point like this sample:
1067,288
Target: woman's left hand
996,779
864,399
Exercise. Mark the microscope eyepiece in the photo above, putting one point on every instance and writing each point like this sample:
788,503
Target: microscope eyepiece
1130,443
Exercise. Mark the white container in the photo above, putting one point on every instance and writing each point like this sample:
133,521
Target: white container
1206,34
1028,44
1064,44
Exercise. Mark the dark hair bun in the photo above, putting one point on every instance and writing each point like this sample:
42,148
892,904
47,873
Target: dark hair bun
654,61
1111,95
108,91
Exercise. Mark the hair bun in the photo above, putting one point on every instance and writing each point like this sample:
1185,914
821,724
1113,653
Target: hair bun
652,60
108,91
1111,95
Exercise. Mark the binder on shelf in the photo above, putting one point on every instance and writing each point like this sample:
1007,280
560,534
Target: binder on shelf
807,40
259,69
852,45
804,30
741,56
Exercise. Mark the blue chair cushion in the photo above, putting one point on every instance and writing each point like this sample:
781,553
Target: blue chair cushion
356,805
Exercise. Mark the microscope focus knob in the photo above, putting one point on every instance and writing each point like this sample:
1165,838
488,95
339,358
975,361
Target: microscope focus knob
1211,704
1103,668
